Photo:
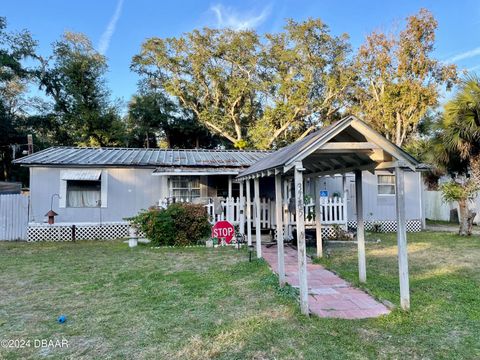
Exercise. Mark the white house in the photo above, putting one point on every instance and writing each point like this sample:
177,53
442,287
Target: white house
96,188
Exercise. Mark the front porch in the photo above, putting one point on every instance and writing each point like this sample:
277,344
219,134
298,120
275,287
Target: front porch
347,146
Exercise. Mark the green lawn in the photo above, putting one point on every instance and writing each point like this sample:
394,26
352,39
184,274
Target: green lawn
441,222
199,303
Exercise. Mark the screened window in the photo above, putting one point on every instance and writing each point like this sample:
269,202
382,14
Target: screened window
184,188
84,193
386,184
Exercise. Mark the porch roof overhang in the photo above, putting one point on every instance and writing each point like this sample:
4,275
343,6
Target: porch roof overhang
80,174
345,146
195,171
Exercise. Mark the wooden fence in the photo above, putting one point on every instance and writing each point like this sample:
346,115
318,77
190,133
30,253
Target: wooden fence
13,217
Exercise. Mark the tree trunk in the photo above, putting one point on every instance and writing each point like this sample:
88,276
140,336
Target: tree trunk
471,216
398,130
475,168
466,218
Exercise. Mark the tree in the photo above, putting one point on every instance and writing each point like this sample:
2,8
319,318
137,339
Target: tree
399,80
250,90
74,78
461,125
211,73
462,191
305,80
456,149
14,76
154,119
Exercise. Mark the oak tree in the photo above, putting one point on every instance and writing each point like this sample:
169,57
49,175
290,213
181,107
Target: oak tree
399,80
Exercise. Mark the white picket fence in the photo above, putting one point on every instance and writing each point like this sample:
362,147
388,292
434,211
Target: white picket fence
333,211
13,217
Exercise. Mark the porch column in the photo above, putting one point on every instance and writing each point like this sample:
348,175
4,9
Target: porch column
286,219
278,218
362,267
302,255
258,235
241,209
344,183
402,239
229,201
249,213
421,190
318,217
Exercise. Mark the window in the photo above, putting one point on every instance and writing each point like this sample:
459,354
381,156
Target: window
184,187
386,184
83,188
84,193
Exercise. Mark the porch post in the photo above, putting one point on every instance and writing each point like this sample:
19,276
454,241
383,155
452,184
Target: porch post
344,183
229,201
258,238
402,239
286,219
249,213
302,255
241,215
318,217
362,267
278,218
422,200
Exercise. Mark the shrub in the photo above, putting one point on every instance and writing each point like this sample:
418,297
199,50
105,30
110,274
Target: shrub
180,224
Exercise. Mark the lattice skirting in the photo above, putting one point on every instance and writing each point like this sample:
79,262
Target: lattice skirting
387,225
329,232
88,231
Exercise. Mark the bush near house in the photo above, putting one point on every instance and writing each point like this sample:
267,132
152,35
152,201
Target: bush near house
180,224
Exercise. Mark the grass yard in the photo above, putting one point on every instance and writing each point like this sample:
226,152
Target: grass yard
199,303
441,222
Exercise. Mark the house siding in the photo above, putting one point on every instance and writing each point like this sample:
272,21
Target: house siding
132,189
377,207
128,191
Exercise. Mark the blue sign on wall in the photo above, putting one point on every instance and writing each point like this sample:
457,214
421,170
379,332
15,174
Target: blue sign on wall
323,193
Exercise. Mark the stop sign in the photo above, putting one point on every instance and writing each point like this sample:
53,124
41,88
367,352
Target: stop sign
223,230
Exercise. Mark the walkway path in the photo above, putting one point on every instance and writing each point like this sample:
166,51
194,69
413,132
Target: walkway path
329,295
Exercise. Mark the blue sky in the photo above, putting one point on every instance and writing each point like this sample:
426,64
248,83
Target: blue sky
118,27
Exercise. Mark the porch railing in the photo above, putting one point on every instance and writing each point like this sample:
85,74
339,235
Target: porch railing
230,211
333,211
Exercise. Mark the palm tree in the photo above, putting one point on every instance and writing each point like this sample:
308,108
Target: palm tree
461,125
457,149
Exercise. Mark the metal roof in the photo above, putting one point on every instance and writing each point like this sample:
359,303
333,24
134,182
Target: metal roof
131,157
80,174
301,149
192,170
280,157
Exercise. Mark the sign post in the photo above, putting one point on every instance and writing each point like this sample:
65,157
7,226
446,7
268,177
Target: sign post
223,230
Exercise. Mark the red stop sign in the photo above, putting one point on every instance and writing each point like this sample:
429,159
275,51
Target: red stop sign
223,230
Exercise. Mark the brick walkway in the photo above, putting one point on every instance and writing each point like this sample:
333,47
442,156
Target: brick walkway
329,295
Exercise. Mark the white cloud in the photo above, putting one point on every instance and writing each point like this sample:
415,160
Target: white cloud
465,55
228,17
104,42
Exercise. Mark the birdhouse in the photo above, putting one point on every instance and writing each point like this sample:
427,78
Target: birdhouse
51,216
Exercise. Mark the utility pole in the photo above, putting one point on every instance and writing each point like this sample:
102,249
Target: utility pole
30,144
